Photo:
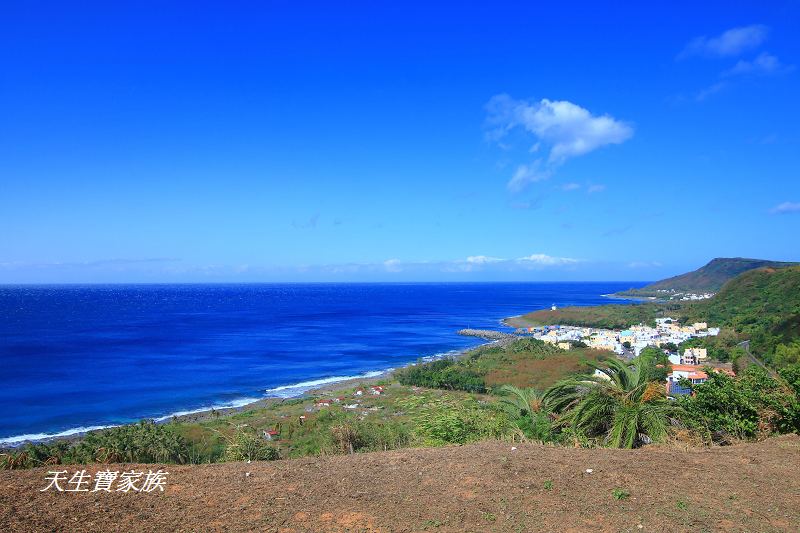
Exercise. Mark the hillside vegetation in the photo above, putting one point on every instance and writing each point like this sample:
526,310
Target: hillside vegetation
523,363
761,305
709,278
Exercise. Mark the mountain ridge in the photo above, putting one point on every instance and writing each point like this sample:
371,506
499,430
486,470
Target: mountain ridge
708,278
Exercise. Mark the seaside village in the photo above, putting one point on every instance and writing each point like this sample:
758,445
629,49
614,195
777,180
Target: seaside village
630,342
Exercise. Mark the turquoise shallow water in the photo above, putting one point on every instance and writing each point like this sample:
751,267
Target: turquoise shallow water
76,357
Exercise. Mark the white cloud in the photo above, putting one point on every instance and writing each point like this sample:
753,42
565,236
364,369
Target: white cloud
708,91
482,259
595,188
569,130
393,265
475,263
547,260
764,64
786,208
526,174
570,187
730,43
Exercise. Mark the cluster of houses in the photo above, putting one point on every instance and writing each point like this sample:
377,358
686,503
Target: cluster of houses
672,294
633,339
688,365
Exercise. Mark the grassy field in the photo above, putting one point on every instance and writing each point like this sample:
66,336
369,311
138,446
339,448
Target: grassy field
541,373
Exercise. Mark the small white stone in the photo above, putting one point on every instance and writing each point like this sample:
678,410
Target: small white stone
589,470
513,448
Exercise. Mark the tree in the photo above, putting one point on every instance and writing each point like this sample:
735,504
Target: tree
622,406
527,410
787,354
654,362
671,347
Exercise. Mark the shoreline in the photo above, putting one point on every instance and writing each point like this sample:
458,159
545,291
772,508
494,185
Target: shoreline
206,413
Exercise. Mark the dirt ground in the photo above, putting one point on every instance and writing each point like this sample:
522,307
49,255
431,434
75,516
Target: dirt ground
481,487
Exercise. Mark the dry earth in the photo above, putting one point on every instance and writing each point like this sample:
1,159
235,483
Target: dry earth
481,487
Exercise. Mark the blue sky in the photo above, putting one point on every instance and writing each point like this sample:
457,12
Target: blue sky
288,141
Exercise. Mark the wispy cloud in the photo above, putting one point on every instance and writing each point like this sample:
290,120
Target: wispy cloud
592,189
546,260
644,264
730,43
393,265
567,129
764,64
786,208
570,187
529,173
711,90
482,259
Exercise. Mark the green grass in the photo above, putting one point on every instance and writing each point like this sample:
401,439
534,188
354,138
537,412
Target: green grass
620,494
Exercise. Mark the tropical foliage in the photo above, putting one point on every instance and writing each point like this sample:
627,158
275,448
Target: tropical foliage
447,422
620,407
528,412
145,442
753,405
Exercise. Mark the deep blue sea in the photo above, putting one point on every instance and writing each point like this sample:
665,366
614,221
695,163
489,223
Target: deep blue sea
77,357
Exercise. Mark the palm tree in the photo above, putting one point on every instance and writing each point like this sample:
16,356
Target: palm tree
528,412
619,404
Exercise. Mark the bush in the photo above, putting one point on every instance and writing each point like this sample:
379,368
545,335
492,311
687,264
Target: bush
442,374
249,446
444,422
750,406
145,442
361,436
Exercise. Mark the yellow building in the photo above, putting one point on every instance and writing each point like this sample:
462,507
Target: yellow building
694,356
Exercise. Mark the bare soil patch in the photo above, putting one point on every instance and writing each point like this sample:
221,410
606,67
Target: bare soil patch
481,487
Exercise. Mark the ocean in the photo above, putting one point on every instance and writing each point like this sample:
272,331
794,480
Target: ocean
81,357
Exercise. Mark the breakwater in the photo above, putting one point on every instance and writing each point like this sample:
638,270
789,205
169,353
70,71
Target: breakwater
487,334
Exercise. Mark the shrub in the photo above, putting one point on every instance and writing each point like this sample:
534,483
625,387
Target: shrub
247,445
362,436
447,422
750,406
442,374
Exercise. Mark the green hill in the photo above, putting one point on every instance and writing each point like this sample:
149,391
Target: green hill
762,304
709,278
